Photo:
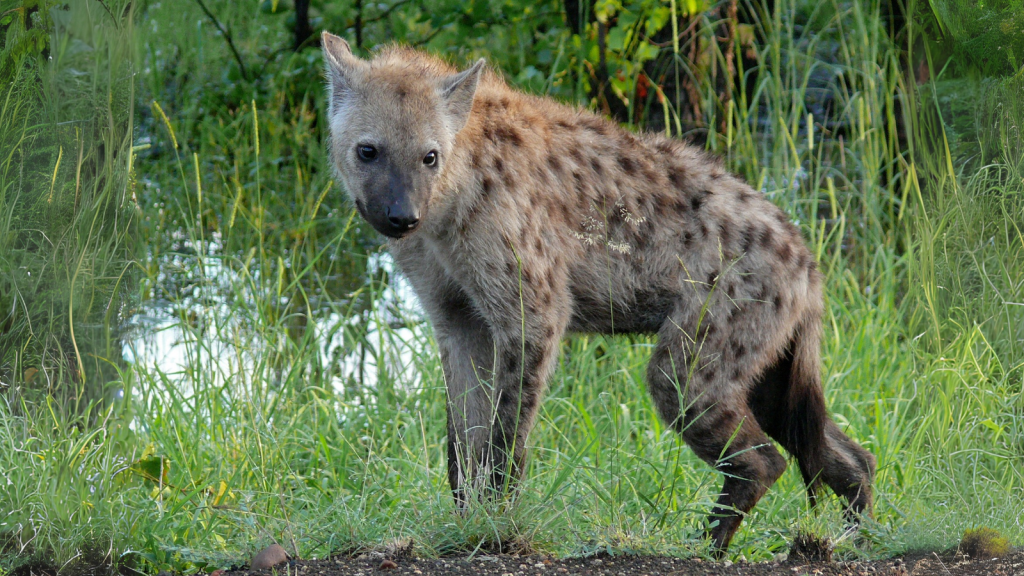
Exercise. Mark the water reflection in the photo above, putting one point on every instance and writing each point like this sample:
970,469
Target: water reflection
206,323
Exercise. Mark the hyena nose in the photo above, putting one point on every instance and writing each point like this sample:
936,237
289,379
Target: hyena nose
402,220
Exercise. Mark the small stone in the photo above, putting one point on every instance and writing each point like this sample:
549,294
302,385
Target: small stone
727,563
387,565
270,556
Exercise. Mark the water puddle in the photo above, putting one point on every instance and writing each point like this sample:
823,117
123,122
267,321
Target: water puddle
205,329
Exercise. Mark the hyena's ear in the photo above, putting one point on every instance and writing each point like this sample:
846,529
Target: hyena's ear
457,92
343,67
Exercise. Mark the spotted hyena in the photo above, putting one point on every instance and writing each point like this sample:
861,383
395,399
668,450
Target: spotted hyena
518,219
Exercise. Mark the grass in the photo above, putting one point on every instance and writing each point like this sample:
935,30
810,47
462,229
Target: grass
305,403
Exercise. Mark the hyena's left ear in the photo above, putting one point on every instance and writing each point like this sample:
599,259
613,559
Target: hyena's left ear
457,92
343,67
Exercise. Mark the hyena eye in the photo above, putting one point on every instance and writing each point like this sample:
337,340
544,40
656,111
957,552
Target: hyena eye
366,152
430,159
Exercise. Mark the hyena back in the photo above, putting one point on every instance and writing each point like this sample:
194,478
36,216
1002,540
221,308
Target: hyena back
517,219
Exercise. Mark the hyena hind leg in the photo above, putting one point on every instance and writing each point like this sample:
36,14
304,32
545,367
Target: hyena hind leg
721,431
789,404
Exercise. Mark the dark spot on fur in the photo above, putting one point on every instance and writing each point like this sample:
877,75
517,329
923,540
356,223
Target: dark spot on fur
538,245
785,252
554,163
628,165
566,212
698,199
738,350
731,291
703,230
487,185
507,179
595,125
716,175
777,302
708,373
499,164
578,180
577,156
745,196
506,133
596,165
712,277
677,176
724,233
747,239
687,238
505,103
563,124
767,237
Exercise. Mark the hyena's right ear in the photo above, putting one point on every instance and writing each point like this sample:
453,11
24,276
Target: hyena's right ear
457,91
343,67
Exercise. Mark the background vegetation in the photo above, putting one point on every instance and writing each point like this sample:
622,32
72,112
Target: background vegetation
203,351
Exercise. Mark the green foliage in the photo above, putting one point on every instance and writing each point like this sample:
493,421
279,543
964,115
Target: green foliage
981,37
65,195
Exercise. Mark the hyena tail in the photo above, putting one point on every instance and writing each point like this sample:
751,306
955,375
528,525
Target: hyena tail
825,454
804,415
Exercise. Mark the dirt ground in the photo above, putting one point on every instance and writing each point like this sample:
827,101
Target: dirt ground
922,564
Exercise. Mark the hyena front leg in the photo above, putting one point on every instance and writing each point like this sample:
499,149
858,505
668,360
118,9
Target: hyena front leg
524,357
495,381
467,357
717,424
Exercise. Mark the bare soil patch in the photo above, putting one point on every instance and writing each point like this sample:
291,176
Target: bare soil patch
921,564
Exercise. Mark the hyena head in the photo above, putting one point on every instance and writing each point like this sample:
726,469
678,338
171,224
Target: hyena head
393,122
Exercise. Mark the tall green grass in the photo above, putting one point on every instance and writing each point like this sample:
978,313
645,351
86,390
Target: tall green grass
66,107
305,403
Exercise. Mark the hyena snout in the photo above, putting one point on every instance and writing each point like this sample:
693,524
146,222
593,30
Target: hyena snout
403,218
395,211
